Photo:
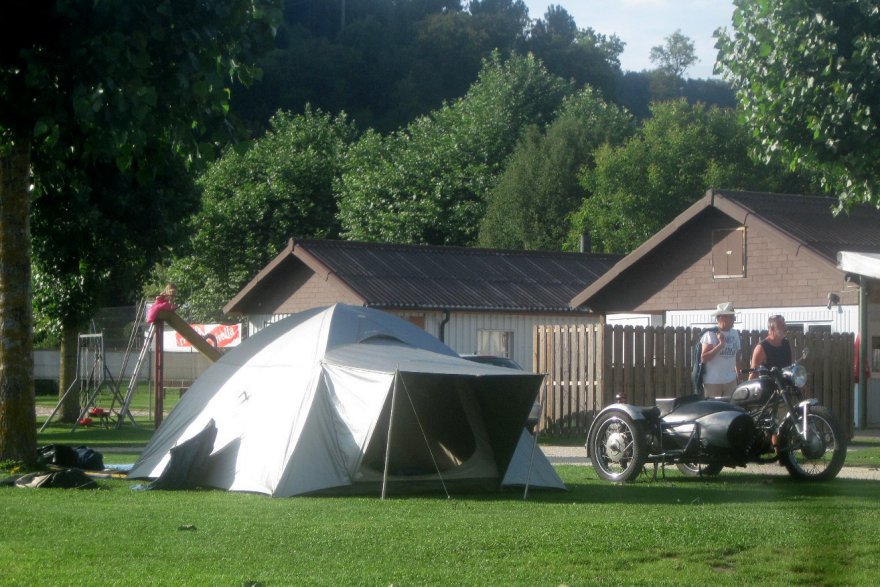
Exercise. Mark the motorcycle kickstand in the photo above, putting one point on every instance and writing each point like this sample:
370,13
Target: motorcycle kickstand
657,466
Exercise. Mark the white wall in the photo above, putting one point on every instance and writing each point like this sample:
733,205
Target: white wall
634,320
839,318
460,332
462,328
178,367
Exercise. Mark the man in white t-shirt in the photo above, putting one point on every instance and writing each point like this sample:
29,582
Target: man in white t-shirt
721,354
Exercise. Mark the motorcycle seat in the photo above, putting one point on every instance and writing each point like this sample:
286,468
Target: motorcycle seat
667,405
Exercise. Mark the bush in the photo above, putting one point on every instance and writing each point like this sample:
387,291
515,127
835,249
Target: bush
45,387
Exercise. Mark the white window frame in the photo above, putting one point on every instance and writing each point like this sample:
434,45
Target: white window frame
494,342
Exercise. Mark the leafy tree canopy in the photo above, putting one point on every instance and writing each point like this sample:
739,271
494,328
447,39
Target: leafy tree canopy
638,187
540,187
426,183
390,61
675,56
808,82
253,202
95,240
120,98
581,55
101,101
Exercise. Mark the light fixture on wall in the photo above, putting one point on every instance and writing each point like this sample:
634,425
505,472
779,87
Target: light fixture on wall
833,300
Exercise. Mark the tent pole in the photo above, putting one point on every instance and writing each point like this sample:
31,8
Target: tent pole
388,439
531,462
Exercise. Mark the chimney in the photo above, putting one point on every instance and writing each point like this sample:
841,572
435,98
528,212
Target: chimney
585,244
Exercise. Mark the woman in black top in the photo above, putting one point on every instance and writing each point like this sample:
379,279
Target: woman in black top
775,350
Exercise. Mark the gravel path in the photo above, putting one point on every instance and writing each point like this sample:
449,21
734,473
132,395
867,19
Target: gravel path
577,455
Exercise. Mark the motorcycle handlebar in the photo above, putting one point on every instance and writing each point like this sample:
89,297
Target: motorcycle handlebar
762,370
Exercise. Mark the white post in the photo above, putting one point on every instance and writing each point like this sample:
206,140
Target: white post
388,439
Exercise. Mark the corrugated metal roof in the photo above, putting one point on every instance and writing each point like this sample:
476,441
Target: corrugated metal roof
458,278
809,220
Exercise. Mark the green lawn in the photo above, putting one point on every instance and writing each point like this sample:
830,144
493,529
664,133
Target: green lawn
142,399
864,451
736,529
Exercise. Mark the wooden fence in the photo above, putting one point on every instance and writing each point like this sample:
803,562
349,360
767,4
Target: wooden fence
588,365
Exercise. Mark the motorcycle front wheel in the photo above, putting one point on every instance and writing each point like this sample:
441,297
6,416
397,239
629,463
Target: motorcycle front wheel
618,448
819,457
698,470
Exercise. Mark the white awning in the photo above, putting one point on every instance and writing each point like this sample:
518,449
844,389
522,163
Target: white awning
867,264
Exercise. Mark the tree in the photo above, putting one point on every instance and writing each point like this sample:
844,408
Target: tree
806,76
95,239
584,56
253,202
18,437
673,59
675,56
638,187
391,62
426,183
540,188
131,85
505,23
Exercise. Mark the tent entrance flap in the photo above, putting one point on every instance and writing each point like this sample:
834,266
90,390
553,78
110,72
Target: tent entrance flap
431,432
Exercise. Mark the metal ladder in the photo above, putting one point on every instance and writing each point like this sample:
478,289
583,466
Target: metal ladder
92,376
142,357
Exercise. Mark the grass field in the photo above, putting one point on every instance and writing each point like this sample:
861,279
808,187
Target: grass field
738,528
733,530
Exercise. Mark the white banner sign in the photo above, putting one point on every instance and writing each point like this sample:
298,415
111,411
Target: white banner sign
218,335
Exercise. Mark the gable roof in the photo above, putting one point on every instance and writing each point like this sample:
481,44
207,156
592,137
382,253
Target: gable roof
440,277
803,222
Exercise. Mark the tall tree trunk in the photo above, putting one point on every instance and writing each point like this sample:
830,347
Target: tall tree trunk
67,375
18,426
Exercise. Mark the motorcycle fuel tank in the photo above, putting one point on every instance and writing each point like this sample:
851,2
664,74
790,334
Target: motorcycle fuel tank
752,393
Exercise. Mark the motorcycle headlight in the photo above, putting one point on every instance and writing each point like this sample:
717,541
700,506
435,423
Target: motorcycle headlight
798,375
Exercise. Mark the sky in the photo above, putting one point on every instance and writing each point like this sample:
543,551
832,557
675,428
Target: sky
643,24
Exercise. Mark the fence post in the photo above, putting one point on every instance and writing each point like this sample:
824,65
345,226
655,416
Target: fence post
640,392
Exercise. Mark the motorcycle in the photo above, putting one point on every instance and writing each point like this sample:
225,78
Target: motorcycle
766,420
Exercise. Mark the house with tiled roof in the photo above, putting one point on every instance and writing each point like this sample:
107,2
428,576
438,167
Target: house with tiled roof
766,253
478,301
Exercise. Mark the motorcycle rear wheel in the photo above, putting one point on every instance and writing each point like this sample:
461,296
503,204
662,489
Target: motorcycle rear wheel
697,470
821,457
618,447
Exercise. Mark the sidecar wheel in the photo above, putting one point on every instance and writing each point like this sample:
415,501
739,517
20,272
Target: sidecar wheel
820,457
697,470
618,448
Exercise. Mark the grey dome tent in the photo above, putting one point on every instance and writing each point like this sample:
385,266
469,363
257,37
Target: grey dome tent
349,399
